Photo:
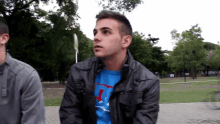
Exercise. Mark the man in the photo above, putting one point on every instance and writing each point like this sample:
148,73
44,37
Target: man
21,95
110,88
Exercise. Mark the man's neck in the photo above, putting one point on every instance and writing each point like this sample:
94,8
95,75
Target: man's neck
2,56
114,63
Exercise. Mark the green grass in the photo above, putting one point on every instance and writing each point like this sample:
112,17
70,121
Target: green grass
188,79
185,93
184,96
175,93
195,84
205,83
53,102
47,82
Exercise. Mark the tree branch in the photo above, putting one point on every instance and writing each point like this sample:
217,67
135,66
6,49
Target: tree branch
23,7
4,15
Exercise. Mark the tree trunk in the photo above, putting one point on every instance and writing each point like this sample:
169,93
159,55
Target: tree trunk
181,74
195,72
62,73
48,75
207,72
204,73
161,76
192,74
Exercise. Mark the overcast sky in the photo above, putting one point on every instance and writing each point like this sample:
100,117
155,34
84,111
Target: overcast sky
159,18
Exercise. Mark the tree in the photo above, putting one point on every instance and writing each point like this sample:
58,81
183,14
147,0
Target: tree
62,46
9,8
140,49
120,5
217,57
47,47
208,64
189,50
143,51
85,47
159,62
209,46
213,58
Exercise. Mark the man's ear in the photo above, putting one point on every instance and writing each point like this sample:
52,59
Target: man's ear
126,41
4,39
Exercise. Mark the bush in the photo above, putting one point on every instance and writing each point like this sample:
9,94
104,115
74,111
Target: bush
163,73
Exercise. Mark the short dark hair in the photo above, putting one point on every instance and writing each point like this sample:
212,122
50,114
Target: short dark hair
3,27
125,24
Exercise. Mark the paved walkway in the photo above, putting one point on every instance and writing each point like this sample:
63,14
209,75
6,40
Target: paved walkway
176,113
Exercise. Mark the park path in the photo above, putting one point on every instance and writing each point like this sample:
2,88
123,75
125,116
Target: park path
175,113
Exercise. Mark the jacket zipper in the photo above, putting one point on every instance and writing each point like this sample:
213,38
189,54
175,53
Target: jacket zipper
115,116
93,94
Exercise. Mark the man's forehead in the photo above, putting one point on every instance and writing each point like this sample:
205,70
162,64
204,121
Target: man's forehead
109,23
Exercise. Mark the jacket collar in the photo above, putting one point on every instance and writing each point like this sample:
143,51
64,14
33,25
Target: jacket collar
126,66
8,59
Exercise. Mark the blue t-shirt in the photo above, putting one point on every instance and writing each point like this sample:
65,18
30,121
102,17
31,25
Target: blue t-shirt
104,83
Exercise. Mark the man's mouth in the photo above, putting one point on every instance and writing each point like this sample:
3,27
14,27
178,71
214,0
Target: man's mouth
97,46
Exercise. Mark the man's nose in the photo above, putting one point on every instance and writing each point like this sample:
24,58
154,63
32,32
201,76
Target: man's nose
97,37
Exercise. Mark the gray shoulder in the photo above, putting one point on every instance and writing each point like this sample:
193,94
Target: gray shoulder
21,68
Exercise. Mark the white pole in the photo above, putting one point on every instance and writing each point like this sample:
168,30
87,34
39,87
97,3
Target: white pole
76,57
76,46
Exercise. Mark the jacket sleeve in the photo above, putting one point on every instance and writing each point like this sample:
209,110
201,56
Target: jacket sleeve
32,101
149,108
69,111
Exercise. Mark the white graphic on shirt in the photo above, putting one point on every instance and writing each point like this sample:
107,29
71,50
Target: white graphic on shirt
103,108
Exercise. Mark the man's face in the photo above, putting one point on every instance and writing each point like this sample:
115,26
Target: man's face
107,37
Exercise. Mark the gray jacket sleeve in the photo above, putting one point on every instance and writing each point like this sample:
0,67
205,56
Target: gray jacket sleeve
32,101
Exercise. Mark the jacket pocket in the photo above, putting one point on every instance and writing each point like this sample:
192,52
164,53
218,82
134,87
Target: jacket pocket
128,104
79,89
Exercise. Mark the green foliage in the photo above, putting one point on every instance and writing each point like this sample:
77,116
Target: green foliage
140,49
48,47
41,13
209,46
85,48
189,49
163,73
213,58
120,5
143,51
159,64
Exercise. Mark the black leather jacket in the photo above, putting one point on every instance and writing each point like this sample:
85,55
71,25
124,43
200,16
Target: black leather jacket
134,100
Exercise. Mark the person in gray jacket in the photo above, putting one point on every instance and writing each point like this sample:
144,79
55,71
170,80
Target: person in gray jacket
21,95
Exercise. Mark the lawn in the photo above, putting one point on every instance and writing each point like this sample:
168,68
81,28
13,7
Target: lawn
173,92
185,96
188,79
53,102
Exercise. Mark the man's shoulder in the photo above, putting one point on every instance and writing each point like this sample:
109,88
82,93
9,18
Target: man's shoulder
85,64
19,67
143,73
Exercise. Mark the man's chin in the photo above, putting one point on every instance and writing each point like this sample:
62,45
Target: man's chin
99,55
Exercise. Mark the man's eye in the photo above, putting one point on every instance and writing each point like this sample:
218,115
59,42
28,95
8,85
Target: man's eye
106,32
